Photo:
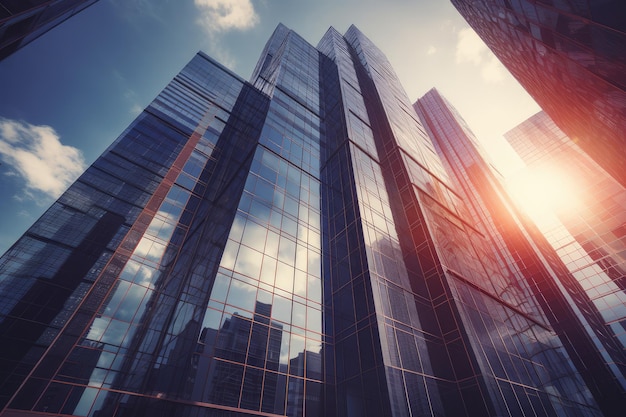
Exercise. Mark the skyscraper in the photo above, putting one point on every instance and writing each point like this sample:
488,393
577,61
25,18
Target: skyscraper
292,245
21,22
522,247
589,230
570,57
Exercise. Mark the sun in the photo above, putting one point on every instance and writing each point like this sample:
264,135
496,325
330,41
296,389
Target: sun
544,192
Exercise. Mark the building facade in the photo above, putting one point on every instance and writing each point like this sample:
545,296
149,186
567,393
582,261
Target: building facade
570,57
523,247
589,231
292,245
21,22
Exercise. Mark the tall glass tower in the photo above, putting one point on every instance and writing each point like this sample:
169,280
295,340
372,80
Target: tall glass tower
588,230
579,322
292,245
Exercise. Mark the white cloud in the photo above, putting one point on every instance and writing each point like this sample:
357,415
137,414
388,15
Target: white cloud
36,154
217,17
493,70
431,50
224,15
470,48
135,109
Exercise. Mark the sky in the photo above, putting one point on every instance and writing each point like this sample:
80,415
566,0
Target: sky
68,95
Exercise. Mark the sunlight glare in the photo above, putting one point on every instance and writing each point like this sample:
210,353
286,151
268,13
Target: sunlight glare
544,192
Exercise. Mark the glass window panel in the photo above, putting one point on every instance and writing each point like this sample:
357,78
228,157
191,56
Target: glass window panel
225,383
274,393
230,255
236,231
276,219
254,235
264,297
313,401
295,399
155,252
301,257
85,403
186,181
132,304
284,277
116,298
220,287
271,244
264,190
249,262
97,328
212,320
289,226
251,392
145,276
129,271
287,250
268,270
300,283
241,295
314,320
260,211
298,317
315,266
279,199
303,232
291,206
296,354
314,289
281,310
115,332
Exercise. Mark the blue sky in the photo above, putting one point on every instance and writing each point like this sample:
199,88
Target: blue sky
65,97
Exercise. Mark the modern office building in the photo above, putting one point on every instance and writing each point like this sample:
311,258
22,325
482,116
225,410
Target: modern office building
291,245
523,247
589,229
23,21
571,57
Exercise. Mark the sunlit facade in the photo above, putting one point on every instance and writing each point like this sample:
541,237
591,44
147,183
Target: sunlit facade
571,57
588,227
21,22
292,245
526,252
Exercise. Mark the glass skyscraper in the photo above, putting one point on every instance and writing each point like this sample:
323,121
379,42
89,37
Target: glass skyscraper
588,231
292,245
519,244
23,21
571,58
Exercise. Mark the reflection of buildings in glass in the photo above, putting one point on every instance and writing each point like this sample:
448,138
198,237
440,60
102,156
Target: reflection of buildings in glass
21,22
255,342
42,302
289,246
570,57
78,370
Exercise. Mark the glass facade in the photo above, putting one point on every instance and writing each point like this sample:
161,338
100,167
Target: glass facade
21,22
571,58
540,270
588,232
289,246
